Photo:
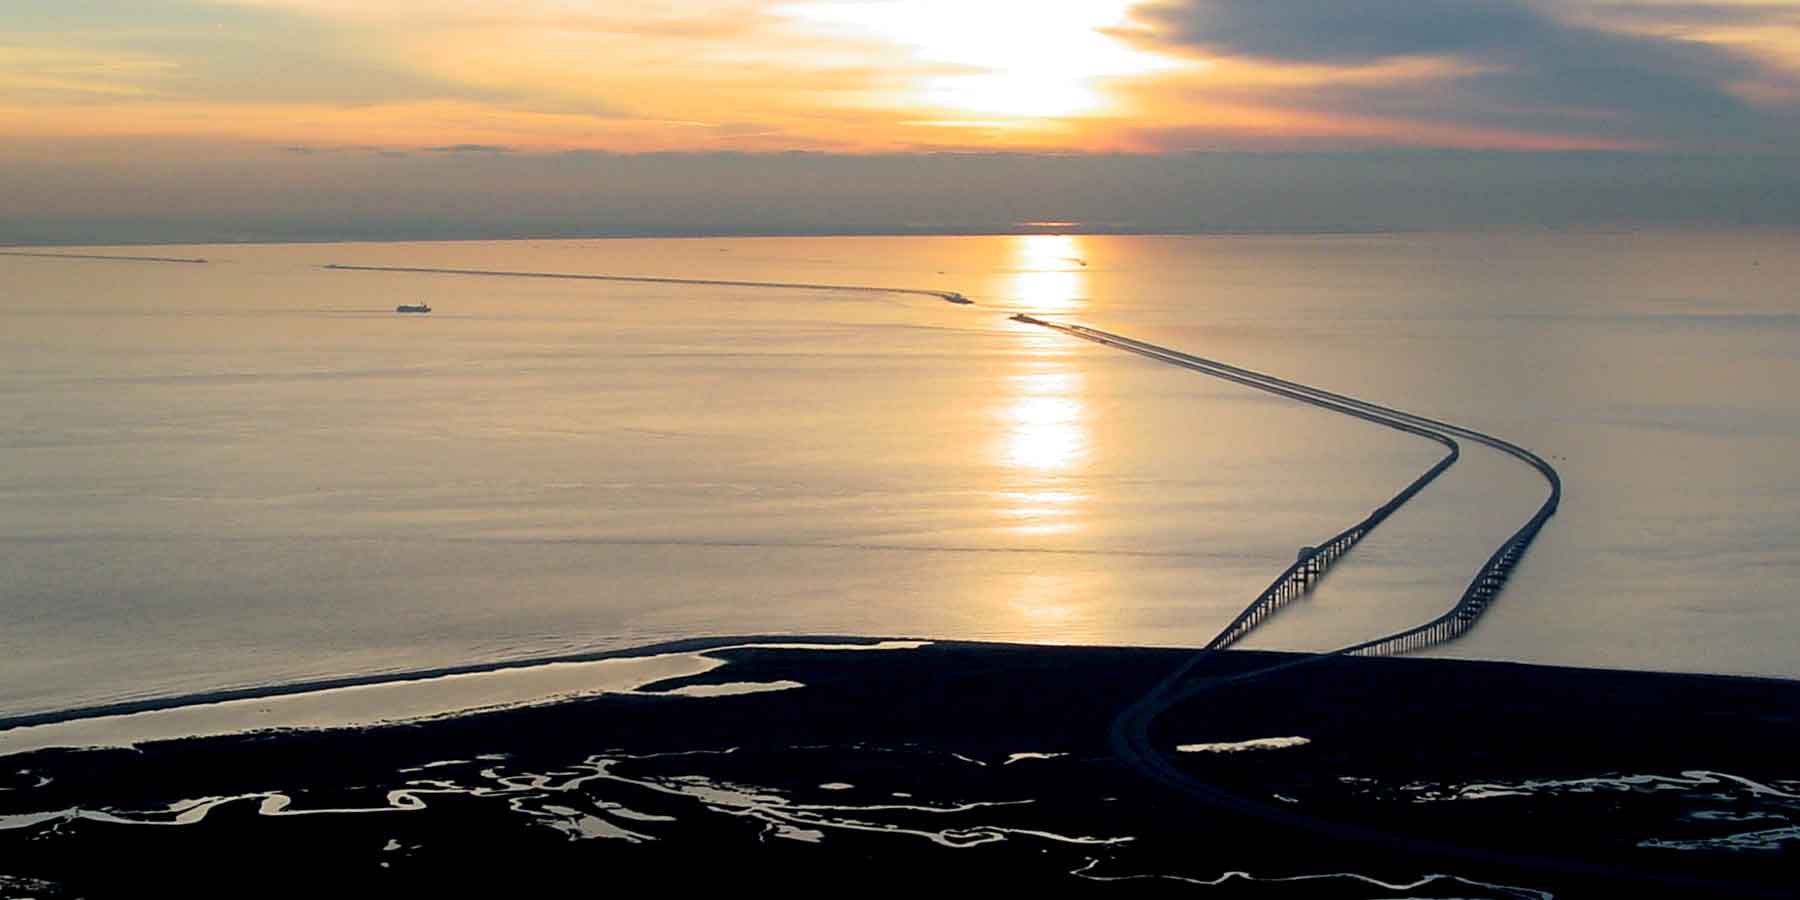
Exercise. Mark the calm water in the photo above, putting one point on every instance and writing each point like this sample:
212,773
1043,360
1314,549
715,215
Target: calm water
253,471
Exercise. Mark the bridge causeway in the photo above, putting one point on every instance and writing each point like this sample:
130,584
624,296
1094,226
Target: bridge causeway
1313,562
946,296
1129,736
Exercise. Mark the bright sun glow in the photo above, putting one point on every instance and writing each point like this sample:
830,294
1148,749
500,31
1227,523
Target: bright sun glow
1049,273
1016,59
1046,432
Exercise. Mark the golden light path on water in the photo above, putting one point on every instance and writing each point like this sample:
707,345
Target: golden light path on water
1046,427
1045,417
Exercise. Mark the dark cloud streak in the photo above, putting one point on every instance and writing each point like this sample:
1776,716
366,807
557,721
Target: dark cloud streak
1532,72
1343,32
1710,15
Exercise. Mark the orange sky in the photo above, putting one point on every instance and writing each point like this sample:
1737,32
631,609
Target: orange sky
883,76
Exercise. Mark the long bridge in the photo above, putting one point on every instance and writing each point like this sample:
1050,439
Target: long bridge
1312,562
946,296
1129,736
1492,575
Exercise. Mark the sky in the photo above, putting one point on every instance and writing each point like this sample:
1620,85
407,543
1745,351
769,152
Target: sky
139,119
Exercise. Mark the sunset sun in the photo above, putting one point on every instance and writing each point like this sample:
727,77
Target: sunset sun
1008,59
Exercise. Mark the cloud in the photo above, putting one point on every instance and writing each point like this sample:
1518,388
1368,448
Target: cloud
1520,68
1364,31
197,50
361,149
486,149
1698,14
541,75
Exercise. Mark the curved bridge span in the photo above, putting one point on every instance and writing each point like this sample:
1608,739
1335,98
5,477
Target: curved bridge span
1314,561
1492,575
1129,736
1311,564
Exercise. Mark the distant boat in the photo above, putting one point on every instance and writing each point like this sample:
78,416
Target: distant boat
412,308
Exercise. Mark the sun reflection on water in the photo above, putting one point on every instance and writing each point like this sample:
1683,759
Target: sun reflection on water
1042,512
1044,413
1047,604
1045,442
1044,445
1049,272
1045,432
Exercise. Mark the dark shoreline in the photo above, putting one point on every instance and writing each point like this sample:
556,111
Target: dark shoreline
691,645
287,689
903,766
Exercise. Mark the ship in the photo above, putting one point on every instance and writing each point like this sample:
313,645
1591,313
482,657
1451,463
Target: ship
420,307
